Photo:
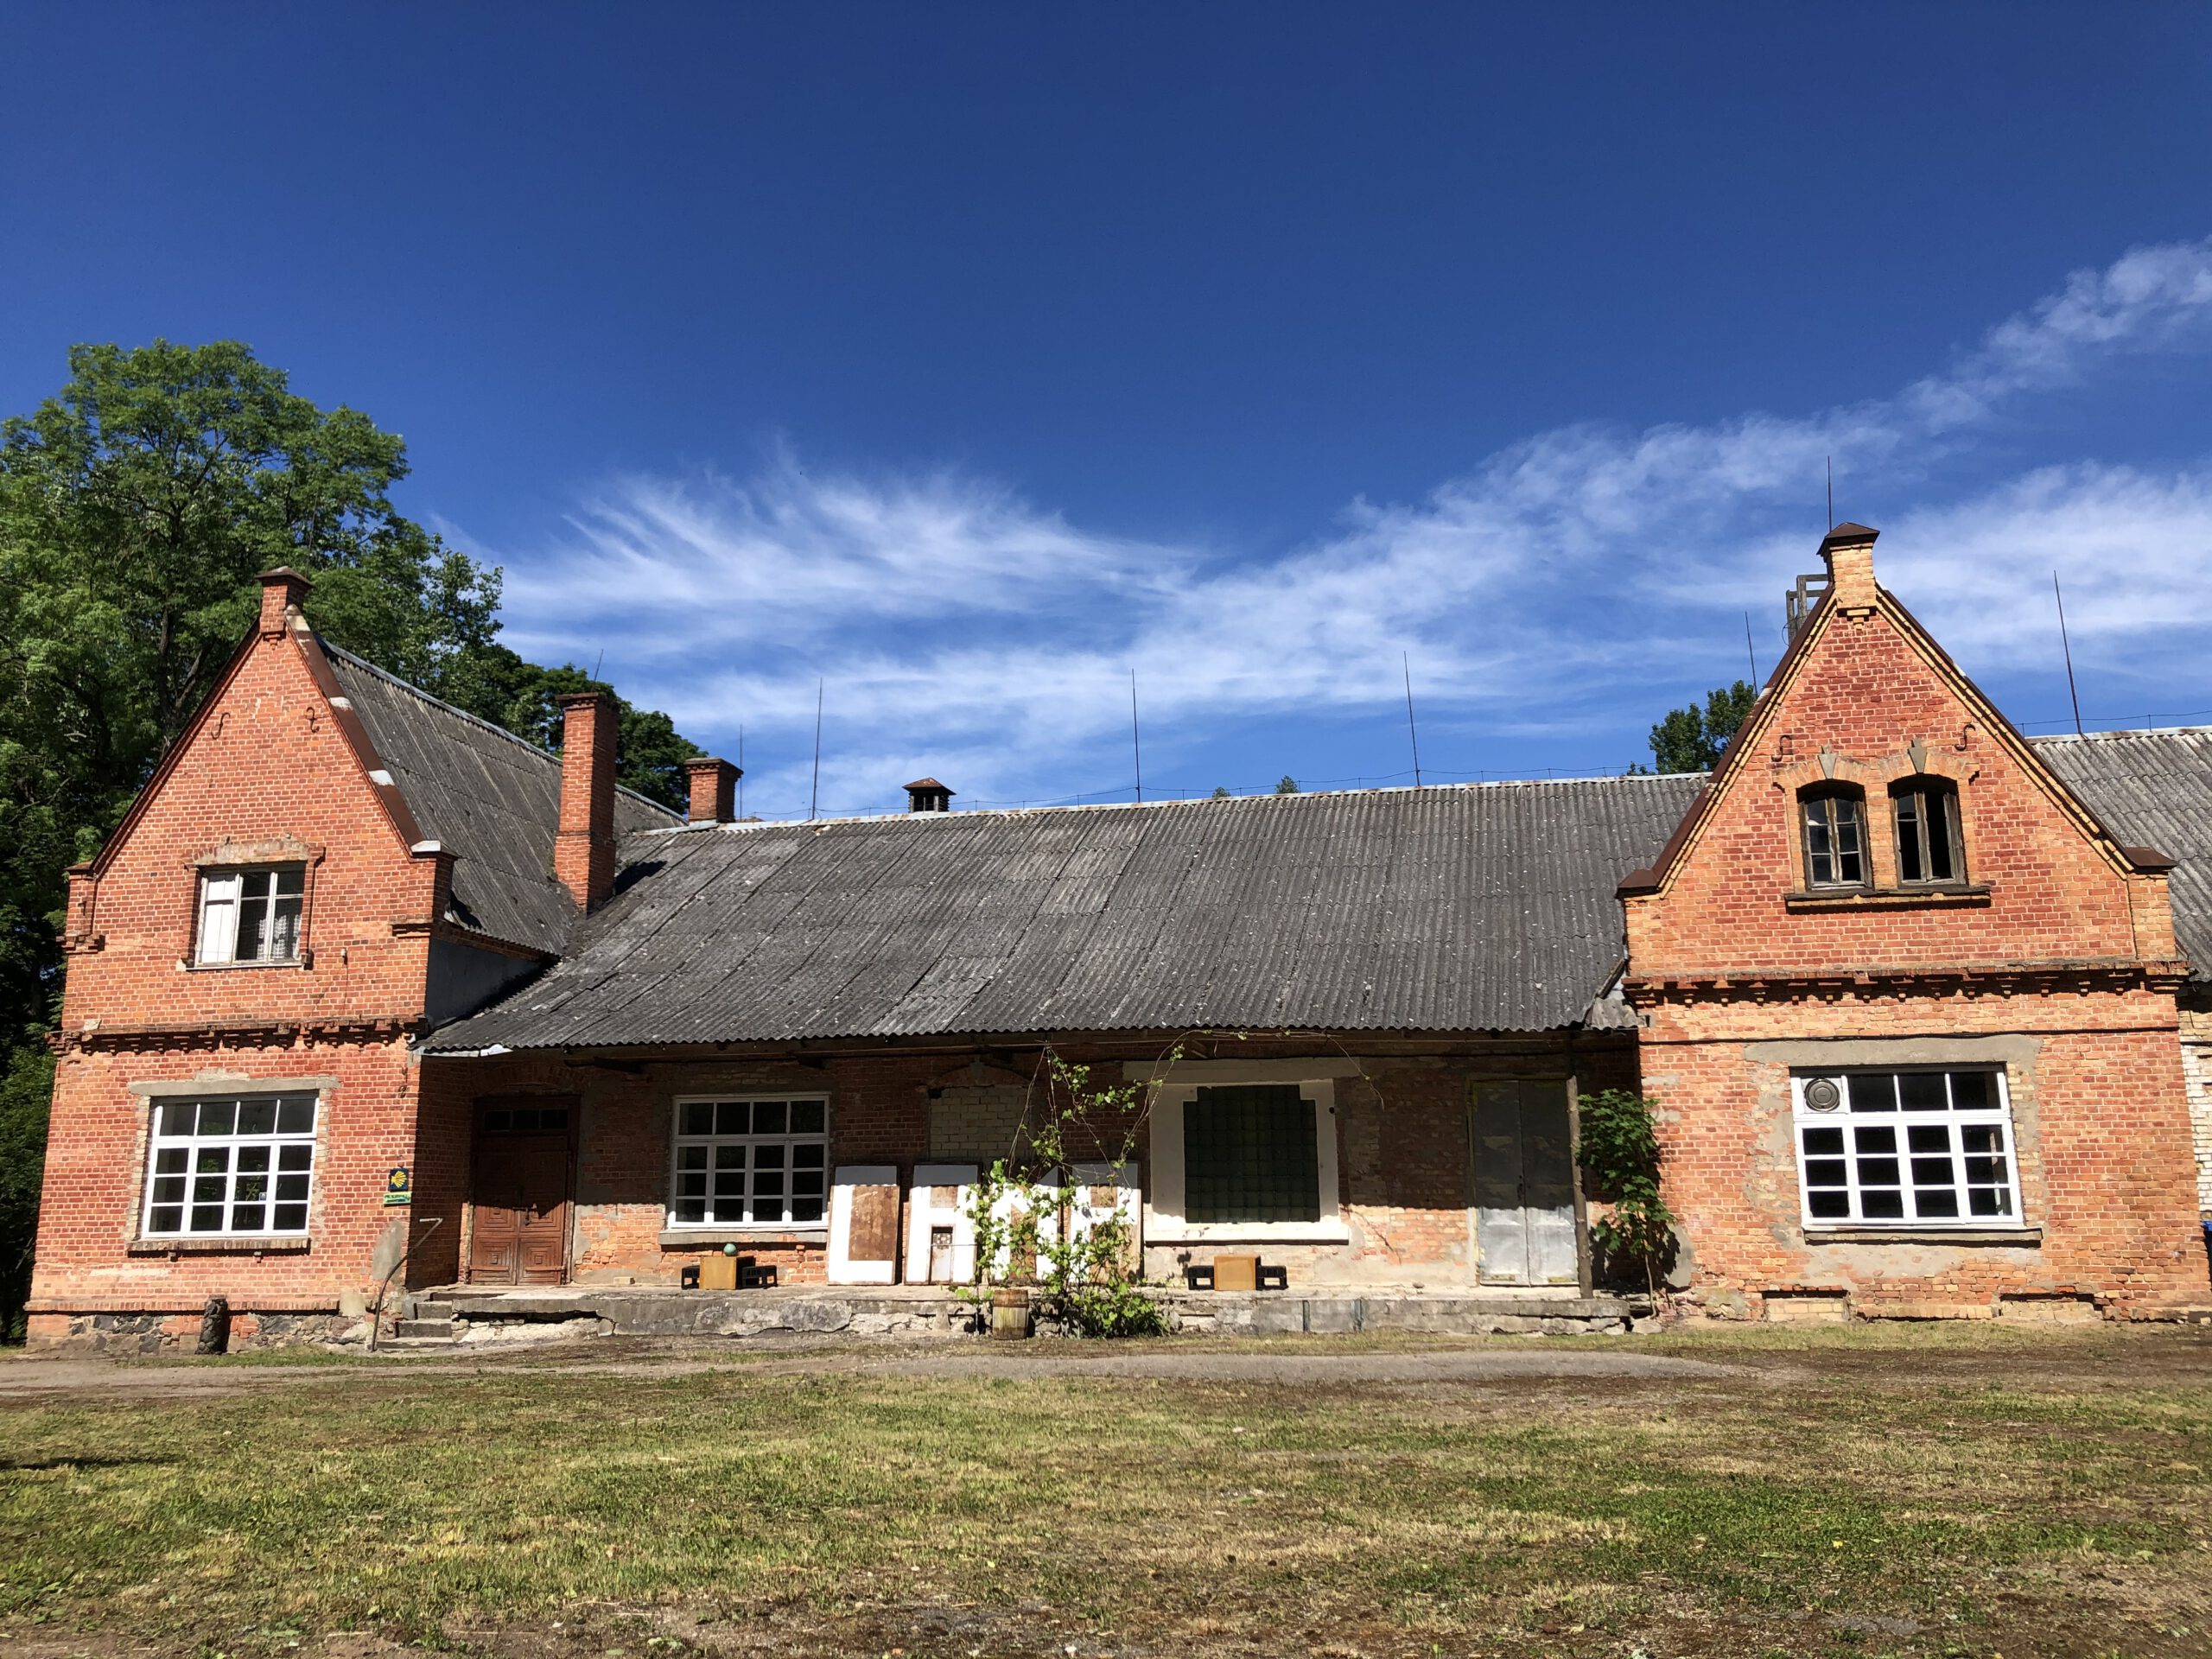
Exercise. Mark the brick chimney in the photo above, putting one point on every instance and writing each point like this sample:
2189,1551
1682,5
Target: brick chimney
714,789
283,590
1849,550
583,849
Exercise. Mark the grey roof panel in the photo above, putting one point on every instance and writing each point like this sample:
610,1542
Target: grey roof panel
2153,789
1484,907
485,795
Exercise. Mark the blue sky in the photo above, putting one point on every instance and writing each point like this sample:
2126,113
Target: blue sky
968,358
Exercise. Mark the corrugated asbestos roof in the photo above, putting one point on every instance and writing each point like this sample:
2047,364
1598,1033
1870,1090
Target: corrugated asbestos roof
2153,789
1481,908
489,796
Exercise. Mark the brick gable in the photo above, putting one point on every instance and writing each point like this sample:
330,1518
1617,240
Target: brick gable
2054,958
271,770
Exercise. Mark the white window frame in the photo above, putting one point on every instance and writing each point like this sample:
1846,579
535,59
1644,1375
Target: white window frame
1164,1221
160,1140
678,1141
222,908
1997,1114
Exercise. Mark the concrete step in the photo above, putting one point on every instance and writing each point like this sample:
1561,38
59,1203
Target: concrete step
444,1328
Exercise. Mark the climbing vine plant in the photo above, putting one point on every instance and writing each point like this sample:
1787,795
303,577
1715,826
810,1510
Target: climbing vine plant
1035,1222
1620,1153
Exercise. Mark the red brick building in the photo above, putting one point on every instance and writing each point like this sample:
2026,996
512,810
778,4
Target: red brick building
364,989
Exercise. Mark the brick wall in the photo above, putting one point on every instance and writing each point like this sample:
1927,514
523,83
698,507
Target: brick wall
977,1124
2100,1129
90,1258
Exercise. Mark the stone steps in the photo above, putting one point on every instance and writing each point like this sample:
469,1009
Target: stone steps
421,1335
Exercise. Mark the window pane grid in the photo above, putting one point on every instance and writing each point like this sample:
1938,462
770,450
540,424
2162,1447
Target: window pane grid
1249,1154
1929,1148
231,1168
750,1163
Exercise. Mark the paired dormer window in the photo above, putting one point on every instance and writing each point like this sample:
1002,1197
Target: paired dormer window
250,915
1834,820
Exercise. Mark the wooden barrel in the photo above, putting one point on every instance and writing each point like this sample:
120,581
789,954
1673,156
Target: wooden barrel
1010,1313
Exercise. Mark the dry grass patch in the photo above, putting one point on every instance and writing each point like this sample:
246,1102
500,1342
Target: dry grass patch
1840,1494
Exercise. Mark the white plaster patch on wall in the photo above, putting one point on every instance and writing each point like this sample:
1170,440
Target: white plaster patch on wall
2196,1075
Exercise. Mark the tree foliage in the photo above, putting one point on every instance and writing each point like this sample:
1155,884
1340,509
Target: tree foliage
1088,1278
1691,740
137,508
1287,785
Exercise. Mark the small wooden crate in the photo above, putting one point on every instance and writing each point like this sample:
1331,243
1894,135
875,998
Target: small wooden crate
1237,1273
718,1272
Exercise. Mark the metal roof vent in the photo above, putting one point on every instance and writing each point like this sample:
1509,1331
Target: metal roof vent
927,795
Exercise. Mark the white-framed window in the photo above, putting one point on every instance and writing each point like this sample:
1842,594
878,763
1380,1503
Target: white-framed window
1929,1147
231,1165
251,915
750,1161
1246,1157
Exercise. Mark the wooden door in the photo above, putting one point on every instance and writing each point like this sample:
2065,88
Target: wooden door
1523,1184
518,1232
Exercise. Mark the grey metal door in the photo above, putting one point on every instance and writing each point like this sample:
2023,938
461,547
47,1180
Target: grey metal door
1525,1184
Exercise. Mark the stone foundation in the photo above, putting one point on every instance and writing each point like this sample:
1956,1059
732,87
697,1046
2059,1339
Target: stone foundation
175,1333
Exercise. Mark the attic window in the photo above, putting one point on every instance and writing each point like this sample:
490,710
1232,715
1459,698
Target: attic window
1834,820
1930,850
250,915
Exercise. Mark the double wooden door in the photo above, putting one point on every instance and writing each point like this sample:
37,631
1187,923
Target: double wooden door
519,1230
1523,1147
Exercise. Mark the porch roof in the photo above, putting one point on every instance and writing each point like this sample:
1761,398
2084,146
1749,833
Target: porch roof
1467,908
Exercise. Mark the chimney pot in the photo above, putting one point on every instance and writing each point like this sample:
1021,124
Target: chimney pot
714,789
927,795
284,590
1849,550
584,848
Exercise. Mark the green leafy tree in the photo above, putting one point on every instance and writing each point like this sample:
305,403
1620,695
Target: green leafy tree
136,507
1287,785
1220,793
1691,740
494,683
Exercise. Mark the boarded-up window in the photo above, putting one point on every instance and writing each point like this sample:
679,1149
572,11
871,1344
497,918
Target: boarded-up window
1250,1155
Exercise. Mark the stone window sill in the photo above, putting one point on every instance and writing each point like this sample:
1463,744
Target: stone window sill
713,1238
2027,1237
1965,894
303,960
282,1244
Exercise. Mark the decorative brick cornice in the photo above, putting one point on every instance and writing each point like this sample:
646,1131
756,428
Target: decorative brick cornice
1839,984
274,1034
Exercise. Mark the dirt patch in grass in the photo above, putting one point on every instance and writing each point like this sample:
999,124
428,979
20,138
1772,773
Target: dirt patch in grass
1907,1492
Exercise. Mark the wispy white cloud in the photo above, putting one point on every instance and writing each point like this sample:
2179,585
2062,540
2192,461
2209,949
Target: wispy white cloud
1552,586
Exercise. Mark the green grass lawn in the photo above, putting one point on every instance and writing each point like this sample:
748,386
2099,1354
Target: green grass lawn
1895,1490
